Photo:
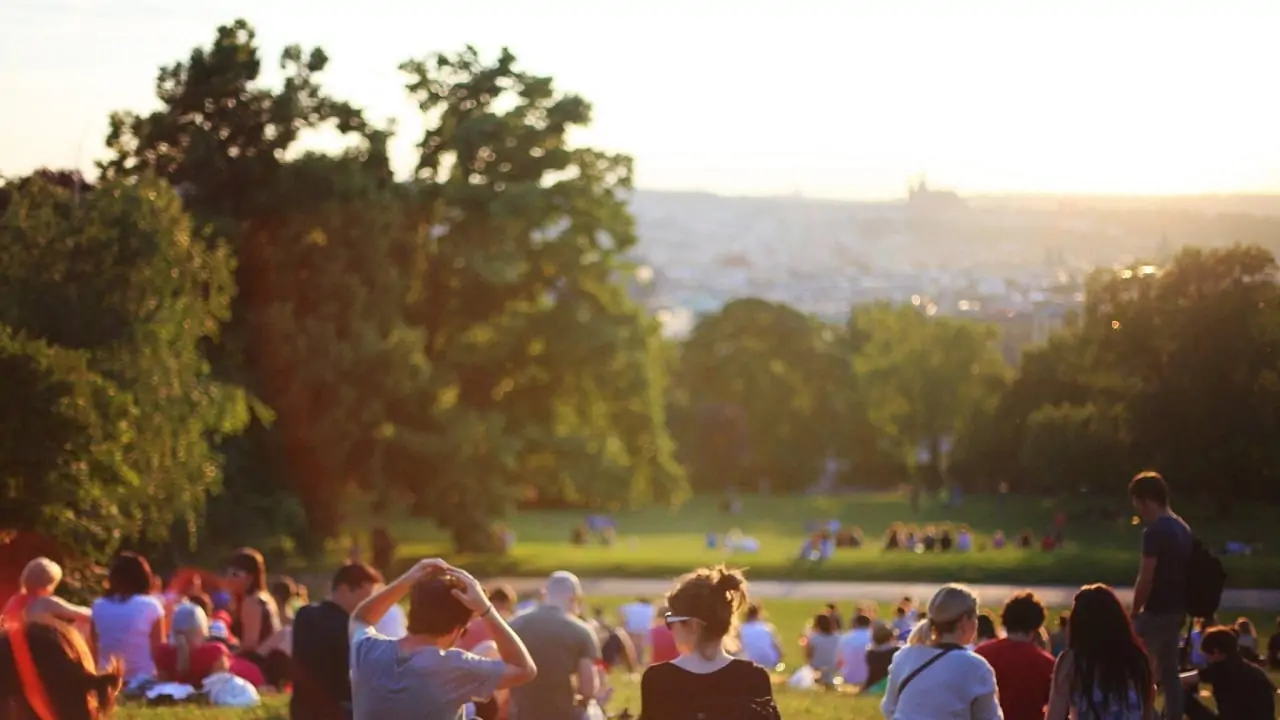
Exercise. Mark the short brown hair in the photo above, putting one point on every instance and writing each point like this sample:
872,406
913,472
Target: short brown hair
1149,485
433,608
713,595
1023,613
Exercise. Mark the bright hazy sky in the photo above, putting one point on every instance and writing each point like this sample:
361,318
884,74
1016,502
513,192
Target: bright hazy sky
836,98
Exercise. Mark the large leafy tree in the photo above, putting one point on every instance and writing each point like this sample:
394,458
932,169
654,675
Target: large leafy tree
924,379
547,380
110,296
317,302
775,373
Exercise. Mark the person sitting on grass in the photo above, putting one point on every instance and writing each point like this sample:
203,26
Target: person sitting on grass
322,661
1058,640
759,639
705,681
964,539
1024,672
820,646
35,598
880,654
47,671
986,629
853,650
192,656
422,675
1241,690
934,676
1248,640
998,540
1105,672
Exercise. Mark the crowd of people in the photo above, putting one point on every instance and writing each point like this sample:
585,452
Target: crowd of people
464,651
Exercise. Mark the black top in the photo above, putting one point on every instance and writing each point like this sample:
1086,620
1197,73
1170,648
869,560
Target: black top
1241,690
270,620
321,663
1273,651
669,692
1168,540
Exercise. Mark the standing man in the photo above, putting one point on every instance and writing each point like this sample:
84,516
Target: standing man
1160,595
564,648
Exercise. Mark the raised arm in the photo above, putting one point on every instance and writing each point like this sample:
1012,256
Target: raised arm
370,611
520,667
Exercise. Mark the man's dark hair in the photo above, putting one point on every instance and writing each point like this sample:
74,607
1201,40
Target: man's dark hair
1149,485
354,576
433,610
1064,620
986,627
823,624
1023,613
863,620
1220,640
901,611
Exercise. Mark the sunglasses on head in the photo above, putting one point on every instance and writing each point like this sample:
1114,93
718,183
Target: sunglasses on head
673,620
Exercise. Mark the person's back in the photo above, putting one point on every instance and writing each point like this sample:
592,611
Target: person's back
123,628
946,689
321,663
558,643
1241,690
759,643
1024,674
853,651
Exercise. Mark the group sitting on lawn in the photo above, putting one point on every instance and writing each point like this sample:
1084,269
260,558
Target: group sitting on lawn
464,652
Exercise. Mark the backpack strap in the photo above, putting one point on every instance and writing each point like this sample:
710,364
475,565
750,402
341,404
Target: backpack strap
946,650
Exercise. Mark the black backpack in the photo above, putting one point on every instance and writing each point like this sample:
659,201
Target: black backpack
1206,578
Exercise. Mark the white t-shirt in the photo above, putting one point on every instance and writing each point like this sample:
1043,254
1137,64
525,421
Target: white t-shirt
961,686
852,652
394,624
637,617
124,631
759,643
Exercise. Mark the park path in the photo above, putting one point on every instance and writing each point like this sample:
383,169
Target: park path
823,591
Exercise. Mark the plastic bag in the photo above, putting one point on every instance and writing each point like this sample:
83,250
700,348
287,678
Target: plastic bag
593,711
806,678
227,690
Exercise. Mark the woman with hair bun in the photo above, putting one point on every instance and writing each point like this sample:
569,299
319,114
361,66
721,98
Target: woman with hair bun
935,676
702,611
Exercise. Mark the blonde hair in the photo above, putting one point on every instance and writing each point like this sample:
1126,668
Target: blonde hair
41,574
950,605
190,631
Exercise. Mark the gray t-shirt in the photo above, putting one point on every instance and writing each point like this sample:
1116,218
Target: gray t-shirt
1168,540
558,643
428,684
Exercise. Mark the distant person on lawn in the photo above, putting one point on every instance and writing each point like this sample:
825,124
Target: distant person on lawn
422,676
1159,596
1024,672
566,651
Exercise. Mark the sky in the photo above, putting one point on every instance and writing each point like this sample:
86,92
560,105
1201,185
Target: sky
825,98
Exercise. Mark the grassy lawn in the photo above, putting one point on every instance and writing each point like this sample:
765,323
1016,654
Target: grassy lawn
660,542
790,617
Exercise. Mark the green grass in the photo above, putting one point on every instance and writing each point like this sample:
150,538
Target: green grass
790,617
660,542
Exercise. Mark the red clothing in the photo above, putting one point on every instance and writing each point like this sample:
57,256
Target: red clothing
1023,675
199,666
477,632
662,645
15,609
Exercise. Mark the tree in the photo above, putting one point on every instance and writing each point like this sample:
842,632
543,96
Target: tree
547,381
123,295
782,373
923,379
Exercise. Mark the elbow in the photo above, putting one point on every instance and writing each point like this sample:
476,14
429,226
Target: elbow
527,674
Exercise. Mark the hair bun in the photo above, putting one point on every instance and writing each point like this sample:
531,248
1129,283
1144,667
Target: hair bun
729,581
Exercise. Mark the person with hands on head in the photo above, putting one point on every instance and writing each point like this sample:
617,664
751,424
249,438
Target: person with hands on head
422,676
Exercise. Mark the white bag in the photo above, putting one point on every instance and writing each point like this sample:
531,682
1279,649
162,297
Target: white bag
806,678
593,712
227,690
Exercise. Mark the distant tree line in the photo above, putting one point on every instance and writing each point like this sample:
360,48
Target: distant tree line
225,340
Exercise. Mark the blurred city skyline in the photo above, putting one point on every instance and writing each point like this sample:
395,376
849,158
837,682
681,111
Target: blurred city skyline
824,99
